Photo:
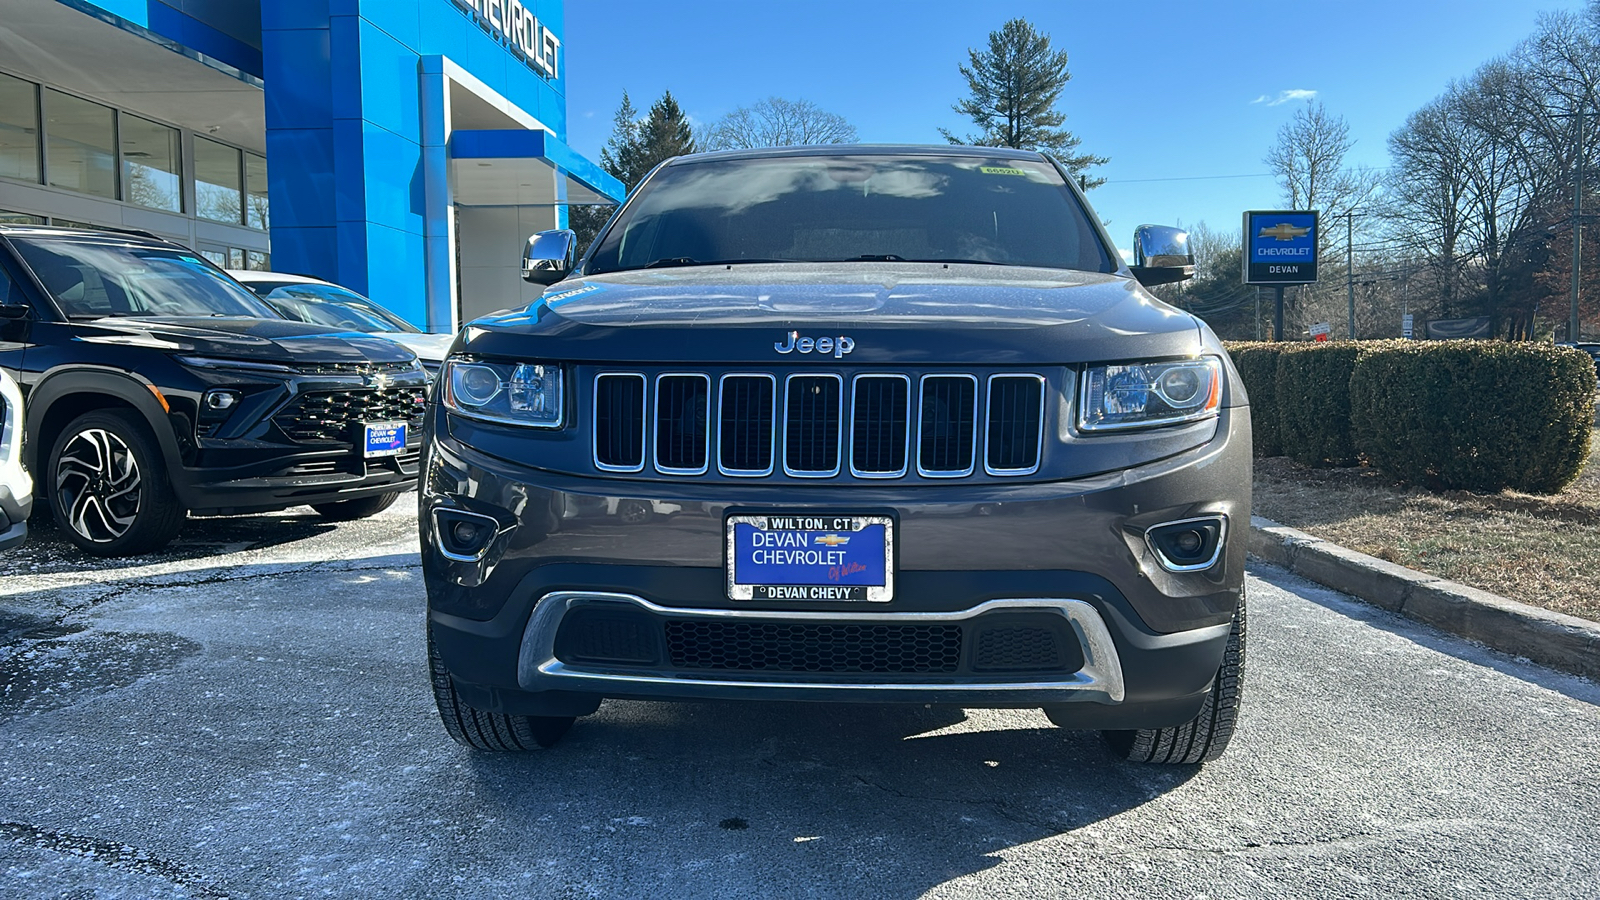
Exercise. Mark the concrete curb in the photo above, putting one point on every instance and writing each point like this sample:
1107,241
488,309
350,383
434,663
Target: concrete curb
1551,639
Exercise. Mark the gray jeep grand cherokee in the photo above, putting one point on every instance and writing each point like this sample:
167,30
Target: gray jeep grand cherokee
889,424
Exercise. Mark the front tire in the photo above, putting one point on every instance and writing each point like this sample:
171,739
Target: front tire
350,510
1203,738
108,485
497,732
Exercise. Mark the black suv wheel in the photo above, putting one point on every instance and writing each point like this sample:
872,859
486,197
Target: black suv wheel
486,730
1203,738
108,485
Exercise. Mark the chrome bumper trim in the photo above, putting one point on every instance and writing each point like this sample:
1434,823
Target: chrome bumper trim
539,670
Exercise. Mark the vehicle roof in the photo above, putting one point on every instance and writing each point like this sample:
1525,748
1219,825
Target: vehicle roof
253,275
947,150
88,235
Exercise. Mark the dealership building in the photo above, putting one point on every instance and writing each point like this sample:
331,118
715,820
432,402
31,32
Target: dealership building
402,148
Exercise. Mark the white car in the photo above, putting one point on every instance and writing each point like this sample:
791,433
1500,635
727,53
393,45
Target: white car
16,486
325,303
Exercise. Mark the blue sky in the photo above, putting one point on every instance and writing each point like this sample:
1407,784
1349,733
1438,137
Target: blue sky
1167,90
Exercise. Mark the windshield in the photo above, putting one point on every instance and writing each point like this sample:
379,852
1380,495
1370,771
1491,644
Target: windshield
92,281
325,304
854,209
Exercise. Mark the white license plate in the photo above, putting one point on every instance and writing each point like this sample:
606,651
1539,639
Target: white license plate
384,439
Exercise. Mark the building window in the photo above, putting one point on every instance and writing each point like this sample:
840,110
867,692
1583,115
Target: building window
151,173
7,217
82,144
19,129
217,191
256,261
255,189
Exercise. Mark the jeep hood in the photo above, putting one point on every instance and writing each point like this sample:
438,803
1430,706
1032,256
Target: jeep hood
256,340
901,313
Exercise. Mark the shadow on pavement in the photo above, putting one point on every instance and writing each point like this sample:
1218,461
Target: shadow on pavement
47,550
817,799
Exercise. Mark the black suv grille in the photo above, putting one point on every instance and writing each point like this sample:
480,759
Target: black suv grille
949,411
619,422
823,647
820,425
322,416
682,423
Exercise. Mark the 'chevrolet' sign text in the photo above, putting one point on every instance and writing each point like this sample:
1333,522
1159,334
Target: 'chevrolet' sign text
511,22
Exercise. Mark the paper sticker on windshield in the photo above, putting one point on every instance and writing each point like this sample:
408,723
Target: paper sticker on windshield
1000,170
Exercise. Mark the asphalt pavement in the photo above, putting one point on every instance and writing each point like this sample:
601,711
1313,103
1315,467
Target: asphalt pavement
248,715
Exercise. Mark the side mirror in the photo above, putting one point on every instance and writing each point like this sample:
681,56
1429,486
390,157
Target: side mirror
1161,255
550,256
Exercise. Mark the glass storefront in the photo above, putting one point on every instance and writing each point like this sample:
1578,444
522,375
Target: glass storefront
93,149
217,188
19,129
82,144
151,164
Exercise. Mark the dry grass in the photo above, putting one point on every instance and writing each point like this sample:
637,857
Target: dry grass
1539,550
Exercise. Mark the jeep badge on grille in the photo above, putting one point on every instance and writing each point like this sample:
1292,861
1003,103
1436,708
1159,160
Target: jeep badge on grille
793,342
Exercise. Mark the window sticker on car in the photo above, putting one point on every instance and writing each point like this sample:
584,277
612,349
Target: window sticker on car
1000,170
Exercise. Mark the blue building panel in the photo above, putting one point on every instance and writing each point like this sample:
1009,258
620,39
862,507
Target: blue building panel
350,104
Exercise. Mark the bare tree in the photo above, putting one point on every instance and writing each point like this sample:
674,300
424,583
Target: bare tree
1308,160
1427,192
776,122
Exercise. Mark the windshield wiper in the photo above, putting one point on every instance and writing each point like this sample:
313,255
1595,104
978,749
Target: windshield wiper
876,257
671,261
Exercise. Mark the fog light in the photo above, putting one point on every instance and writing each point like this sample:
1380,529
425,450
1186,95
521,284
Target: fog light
1189,545
463,536
219,401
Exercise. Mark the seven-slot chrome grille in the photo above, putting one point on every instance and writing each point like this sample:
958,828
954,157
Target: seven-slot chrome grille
819,424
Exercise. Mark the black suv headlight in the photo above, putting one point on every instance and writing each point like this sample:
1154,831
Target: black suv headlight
529,394
1146,394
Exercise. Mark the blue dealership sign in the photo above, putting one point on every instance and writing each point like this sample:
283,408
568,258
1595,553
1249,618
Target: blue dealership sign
1280,247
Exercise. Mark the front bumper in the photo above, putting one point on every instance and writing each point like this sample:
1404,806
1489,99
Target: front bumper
296,479
1146,642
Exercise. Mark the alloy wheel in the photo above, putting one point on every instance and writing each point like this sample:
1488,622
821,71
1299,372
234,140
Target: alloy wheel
98,485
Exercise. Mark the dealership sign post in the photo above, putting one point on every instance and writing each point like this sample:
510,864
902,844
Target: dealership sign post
1280,248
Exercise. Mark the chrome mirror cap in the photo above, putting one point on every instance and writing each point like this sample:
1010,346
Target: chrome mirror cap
1161,255
550,256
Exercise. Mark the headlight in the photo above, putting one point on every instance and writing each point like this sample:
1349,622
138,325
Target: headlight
1137,395
513,393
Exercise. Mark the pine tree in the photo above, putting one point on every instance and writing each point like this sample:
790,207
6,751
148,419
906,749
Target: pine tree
664,134
1015,85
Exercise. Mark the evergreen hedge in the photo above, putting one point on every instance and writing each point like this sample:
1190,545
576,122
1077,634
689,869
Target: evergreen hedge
1313,400
1474,415
1257,362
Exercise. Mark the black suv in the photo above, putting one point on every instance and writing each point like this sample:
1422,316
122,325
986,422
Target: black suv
156,385
853,424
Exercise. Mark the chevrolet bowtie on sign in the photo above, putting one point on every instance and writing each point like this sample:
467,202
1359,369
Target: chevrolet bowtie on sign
1280,247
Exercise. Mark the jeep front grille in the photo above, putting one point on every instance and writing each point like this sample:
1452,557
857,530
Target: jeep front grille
819,424
333,416
814,647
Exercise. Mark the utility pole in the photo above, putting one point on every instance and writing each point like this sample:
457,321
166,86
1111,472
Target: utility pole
1577,233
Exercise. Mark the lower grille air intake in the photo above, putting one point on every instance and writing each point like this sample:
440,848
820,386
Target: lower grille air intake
794,647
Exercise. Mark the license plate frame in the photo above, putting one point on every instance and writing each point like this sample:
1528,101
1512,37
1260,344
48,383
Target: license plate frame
380,439
834,577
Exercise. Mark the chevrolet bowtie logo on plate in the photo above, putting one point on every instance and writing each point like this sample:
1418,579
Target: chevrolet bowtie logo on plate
833,540
1283,231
